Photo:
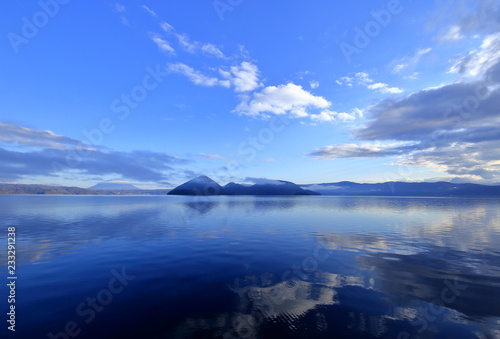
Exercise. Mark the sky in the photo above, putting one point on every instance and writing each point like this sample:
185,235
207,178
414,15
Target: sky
156,93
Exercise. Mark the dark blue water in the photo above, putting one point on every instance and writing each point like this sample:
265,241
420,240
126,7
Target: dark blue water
252,267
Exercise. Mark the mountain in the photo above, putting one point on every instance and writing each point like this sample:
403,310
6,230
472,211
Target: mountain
46,189
114,186
201,185
40,189
395,188
279,188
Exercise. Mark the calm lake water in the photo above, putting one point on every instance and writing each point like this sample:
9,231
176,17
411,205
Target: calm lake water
253,267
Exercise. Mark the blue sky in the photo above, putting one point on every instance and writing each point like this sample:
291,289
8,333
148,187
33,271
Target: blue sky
157,92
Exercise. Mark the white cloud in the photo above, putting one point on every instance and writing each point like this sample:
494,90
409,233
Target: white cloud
166,27
332,116
162,43
345,81
384,88
283,99
453,34
192,46
479,60
406,66
150,11
186,43
212,50
244,77
303,74
314,84
412,76
195,76
363,79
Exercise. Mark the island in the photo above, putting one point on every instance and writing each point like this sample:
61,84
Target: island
203,185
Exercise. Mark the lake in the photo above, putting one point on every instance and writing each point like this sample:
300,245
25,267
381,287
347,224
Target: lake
252,267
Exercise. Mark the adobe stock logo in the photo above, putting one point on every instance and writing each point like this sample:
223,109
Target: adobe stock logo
364,35
89,309
31,26
223,6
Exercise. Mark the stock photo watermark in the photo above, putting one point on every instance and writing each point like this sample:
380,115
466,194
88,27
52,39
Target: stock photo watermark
257,143
88,309
11,277
31,25
122,107
436,307
221,7
364,35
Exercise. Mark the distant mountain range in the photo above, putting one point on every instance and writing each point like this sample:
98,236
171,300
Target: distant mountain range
114,186
46,189
395,188
203,185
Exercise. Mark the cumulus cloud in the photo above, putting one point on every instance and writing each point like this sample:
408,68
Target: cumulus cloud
364,79
244,77
454,128
287,99
195,76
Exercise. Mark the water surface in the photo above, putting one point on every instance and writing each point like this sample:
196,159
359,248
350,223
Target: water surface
254,267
